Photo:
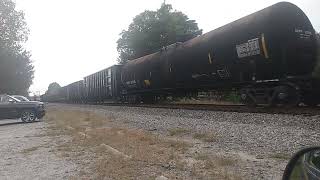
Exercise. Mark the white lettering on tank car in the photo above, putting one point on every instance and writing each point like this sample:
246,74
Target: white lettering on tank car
249,48
303,34
308,32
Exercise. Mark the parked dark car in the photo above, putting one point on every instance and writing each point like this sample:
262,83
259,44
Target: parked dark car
27,111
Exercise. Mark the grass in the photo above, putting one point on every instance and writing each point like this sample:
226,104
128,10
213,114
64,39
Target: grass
225,161
205,137
217,166
110,151
212,161
201,157
110,144
280,156
178,131
30,150
178,145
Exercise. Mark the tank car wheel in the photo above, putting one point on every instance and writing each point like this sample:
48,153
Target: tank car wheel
134,99
148,99
310,101
287,96
246,99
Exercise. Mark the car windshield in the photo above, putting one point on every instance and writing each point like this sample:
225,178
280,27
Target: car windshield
6,99
21,98
13,98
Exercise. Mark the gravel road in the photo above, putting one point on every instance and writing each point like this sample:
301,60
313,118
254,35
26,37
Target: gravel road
28,154
261,143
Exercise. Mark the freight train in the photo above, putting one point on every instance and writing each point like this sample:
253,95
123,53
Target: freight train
268,56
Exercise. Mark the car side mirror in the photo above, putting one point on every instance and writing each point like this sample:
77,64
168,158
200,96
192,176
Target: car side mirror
305,164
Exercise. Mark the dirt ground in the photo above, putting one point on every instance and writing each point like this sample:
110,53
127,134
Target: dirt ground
28,153
74,143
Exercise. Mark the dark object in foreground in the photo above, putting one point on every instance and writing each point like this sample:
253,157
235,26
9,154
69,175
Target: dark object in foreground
27,111
305,164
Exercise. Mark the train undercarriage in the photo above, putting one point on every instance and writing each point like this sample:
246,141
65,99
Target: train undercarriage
282,93
261,93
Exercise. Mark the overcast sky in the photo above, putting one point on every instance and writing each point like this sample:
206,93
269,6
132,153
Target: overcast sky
70,39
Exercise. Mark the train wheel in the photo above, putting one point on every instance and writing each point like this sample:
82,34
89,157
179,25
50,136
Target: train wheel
246,98
309,100
134,99
148,99
311,103
287,96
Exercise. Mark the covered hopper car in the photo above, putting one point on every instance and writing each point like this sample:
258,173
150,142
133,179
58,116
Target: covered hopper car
75,92
103,85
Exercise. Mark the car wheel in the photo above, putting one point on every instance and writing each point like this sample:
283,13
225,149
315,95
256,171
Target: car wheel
28,116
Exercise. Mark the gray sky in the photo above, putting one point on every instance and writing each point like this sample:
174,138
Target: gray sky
70,39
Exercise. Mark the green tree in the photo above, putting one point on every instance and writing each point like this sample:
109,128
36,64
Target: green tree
152,30
16,69
16,72
53,88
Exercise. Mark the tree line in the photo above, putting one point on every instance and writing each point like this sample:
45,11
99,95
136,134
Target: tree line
16,69
152,30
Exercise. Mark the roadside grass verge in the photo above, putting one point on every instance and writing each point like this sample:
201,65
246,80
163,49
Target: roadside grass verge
30,150
110,151
178,131
205,137
282,156
216,166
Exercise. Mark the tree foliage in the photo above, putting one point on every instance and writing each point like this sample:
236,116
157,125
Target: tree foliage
16,70
152,30
53,88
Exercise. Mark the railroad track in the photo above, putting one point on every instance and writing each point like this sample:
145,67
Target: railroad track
302,110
